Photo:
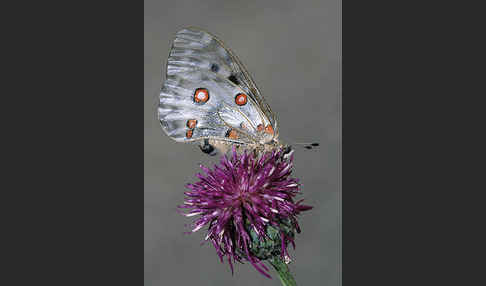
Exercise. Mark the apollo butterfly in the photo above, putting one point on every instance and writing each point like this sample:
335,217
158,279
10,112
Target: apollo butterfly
210,99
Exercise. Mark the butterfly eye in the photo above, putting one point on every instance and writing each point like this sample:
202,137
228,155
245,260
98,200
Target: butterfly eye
201,95
241,99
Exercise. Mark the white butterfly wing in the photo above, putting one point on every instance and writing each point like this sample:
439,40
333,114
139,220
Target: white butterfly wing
208,94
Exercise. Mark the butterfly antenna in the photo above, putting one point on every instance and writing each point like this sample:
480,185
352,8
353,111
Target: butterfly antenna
308,146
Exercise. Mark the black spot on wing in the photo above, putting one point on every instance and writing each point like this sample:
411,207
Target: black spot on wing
207,148
233,79
214,68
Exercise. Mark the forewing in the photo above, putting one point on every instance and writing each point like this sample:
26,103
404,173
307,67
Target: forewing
198,60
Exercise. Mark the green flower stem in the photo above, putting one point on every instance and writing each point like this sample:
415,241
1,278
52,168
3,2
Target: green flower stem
283,271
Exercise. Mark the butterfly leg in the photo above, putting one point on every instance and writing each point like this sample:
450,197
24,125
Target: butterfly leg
208,148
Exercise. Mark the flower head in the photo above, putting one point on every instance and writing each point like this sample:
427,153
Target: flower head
247,201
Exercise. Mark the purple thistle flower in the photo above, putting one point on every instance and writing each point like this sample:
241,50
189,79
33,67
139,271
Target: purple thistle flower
248,204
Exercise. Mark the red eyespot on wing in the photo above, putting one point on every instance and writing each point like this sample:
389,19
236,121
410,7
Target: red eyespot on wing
269,129
191,123
201,95
241,99
189,134
260,127
232,134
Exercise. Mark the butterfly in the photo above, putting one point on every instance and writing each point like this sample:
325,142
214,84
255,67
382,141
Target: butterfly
209,98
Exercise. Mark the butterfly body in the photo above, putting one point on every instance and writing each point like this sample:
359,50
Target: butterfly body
210,99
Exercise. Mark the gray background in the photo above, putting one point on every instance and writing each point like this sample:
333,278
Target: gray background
292,49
